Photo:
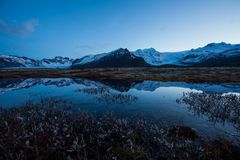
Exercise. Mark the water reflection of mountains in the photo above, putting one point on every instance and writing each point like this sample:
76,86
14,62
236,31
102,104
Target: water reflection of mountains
118,85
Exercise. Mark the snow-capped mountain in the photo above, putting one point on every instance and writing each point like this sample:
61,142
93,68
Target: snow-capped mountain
117,58
212,54
155,58
8,61
57,62
15,61
151,56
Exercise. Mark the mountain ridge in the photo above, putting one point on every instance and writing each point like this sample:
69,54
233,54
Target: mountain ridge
10,61
210,55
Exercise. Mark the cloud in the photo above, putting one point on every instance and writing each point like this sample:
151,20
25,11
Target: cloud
18,29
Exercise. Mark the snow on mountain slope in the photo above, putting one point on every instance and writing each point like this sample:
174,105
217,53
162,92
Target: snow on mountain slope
182,58
213,54
15,61
200,56
156,58
57,62
216,47
117,58
189,57
210,52
150,55
91,58
8,61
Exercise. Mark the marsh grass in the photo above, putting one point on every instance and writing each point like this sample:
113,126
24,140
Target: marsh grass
51,129
219,108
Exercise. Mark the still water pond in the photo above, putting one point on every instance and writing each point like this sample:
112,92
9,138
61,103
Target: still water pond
212,109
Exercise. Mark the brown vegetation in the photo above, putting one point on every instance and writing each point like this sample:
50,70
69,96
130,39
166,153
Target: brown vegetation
218,108
187,74
51,129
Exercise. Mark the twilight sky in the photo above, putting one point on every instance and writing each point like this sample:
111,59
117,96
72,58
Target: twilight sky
47,28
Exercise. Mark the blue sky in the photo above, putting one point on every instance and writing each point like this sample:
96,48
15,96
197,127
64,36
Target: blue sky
47,28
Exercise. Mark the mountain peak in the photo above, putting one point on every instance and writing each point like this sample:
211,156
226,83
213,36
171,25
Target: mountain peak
218,44
150,55
150,49
121,57
146,50
215,47
120,51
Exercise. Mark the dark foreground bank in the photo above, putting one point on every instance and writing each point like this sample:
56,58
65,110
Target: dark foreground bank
174,74
51,129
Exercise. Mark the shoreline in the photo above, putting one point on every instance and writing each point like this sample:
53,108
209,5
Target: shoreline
172,74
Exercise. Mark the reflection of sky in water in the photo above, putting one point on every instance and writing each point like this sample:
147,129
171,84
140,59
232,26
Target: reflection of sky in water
154,99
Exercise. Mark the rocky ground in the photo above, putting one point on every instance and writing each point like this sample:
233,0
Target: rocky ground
51,129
